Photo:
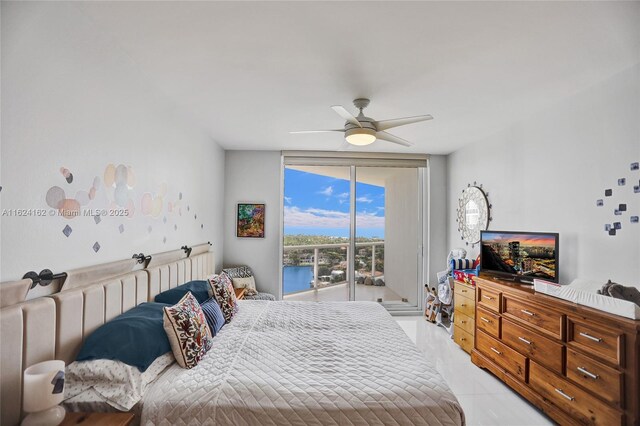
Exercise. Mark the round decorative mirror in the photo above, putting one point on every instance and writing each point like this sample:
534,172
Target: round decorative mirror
473,214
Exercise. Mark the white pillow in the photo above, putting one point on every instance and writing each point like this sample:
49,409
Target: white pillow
120,384
248,283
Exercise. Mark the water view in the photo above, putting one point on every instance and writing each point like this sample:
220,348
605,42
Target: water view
297,278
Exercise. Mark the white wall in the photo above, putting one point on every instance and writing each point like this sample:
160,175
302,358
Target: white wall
546,173
71,98
436,218
254,176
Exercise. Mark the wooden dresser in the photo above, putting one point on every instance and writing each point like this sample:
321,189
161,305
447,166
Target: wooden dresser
464,313
579,365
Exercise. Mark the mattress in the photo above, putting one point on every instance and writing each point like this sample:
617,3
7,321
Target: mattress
302,363
584,292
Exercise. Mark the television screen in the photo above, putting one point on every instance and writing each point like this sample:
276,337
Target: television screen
521,255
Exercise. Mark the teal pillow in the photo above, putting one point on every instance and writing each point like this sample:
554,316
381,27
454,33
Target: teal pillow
136,337
199,289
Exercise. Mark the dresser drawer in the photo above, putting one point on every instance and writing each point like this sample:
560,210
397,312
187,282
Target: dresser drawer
465,306
541,349
605,344
464,290
603,381
488,298
584,407
463,339
502,355
464,322
545,320
488,322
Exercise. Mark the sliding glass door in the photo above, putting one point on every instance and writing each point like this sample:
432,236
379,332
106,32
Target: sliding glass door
317,226
388,236
353,231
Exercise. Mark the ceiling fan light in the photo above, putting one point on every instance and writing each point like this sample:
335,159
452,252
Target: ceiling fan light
360,136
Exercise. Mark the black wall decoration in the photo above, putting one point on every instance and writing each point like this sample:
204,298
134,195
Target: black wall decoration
621,208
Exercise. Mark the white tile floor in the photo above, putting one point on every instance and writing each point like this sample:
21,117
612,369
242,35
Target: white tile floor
485,400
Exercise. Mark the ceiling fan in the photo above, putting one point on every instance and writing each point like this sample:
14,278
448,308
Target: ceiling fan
363,130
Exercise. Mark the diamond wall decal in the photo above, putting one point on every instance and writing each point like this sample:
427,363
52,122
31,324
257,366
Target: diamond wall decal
67,231
96,247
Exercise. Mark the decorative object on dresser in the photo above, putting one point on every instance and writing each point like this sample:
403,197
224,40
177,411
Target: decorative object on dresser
43,392
98,419
473,213
464,315
579,365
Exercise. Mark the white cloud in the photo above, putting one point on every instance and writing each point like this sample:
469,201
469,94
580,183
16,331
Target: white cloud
343,195
364,199
327,191
287,200
321,218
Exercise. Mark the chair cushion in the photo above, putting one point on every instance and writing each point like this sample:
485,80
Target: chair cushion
260,296
248,283
238,272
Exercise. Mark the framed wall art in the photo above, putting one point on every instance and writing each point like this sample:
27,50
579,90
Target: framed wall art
250,220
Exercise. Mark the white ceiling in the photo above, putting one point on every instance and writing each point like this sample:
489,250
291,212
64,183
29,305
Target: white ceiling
249,72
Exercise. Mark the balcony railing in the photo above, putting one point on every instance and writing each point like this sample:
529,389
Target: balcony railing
349,261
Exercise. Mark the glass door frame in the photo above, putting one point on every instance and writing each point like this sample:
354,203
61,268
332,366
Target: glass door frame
353,161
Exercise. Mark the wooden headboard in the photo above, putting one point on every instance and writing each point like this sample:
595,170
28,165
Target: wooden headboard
54,326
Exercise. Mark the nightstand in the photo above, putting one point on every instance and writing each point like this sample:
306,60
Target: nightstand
240,292
97,419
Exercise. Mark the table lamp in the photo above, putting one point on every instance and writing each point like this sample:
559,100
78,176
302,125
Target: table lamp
43,392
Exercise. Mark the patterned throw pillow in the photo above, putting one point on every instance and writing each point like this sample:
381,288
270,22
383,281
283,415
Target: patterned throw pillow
247,283
238,272
187,330
222,290
214,316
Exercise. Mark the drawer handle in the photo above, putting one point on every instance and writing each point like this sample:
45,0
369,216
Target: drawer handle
463,322
588,336
524,311
496,351
570,398
528,342
489,297
484,319
587,373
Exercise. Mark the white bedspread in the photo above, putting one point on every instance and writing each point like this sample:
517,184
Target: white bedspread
306,363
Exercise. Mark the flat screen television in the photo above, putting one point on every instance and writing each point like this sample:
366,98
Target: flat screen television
521,256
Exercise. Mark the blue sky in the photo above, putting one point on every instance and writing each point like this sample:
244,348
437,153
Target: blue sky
319,205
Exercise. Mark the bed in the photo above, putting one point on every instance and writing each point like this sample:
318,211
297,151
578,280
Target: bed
281,363
304,363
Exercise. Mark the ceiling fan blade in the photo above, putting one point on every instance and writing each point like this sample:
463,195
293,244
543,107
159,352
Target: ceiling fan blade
395,122
339,109
317,131
384,136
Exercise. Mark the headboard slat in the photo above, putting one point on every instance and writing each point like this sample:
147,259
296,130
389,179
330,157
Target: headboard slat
39,331
11,329
113,299
94,308
70,308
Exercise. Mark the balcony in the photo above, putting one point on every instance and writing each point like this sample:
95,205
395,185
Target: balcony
333,286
